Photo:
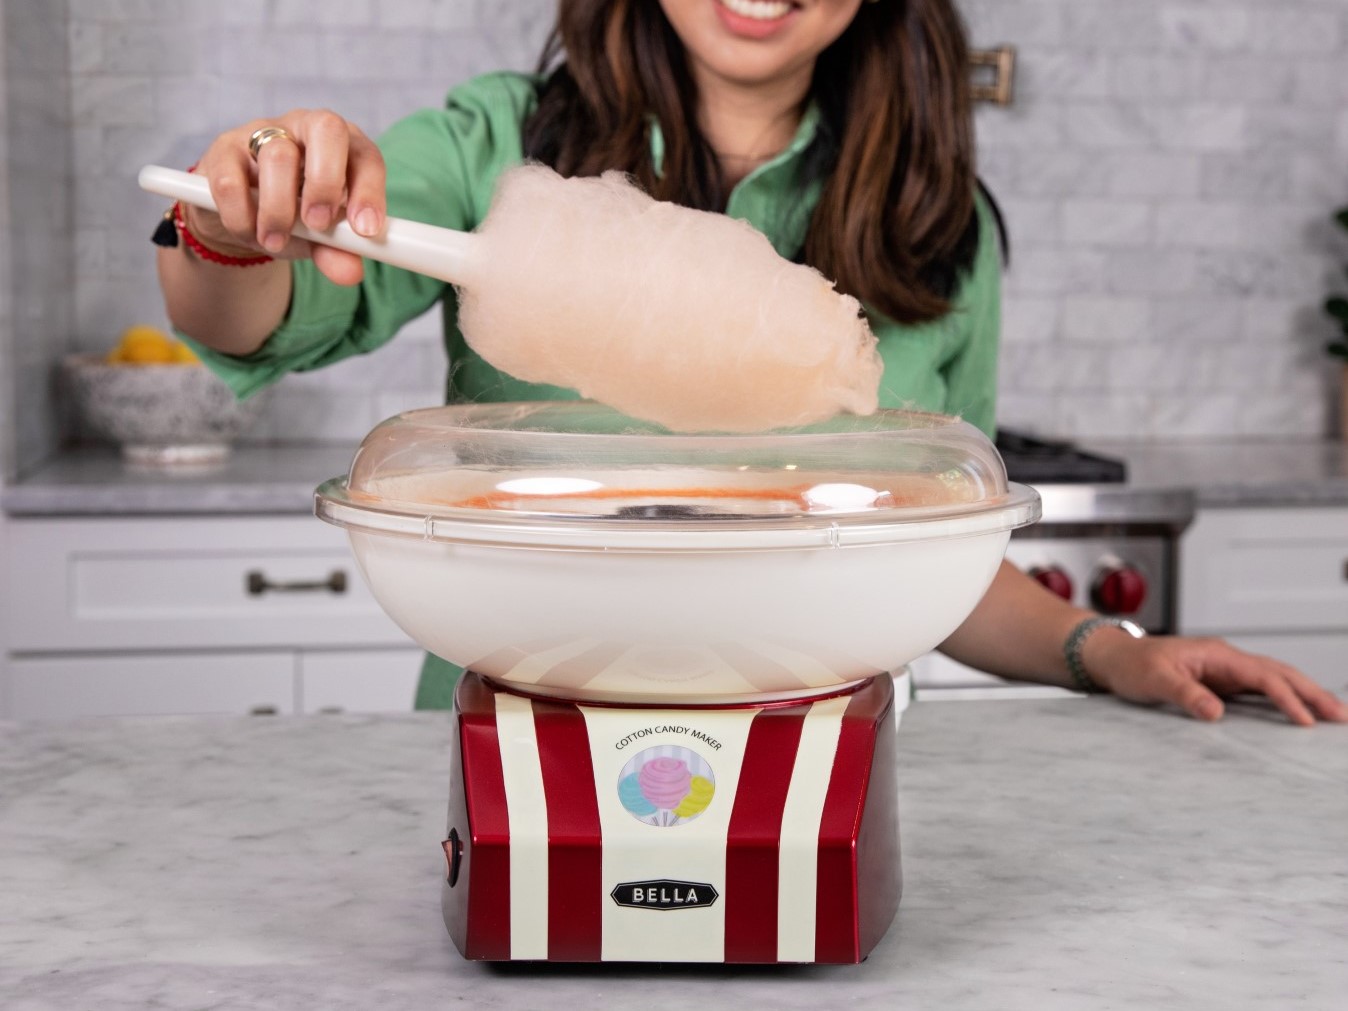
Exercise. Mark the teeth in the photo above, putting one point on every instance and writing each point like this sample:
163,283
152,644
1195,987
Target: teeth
760,10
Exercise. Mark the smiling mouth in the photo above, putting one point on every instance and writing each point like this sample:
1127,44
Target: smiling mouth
759,10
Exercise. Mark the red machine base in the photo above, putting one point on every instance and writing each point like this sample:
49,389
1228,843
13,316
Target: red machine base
754,834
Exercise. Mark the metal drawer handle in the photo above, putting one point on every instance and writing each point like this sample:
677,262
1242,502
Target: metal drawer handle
259,584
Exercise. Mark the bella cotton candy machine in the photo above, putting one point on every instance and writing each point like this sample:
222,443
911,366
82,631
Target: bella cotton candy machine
675,739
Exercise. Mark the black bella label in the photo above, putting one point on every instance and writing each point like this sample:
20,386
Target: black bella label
664,894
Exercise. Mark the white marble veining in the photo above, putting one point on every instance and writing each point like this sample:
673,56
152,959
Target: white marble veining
1057,855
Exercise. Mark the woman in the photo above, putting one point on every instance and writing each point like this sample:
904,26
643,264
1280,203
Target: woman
839,128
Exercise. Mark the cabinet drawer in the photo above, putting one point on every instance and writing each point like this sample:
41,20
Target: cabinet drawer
359,680
1265,570
50,688
78,584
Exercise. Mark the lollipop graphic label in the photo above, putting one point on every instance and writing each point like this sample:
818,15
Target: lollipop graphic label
666,785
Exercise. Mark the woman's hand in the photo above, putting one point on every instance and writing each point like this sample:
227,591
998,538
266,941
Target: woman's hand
1195,674
326,168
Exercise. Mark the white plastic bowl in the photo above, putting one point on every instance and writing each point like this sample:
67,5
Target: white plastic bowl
720,626
817,559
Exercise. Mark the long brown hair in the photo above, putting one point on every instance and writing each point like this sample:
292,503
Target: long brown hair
895,223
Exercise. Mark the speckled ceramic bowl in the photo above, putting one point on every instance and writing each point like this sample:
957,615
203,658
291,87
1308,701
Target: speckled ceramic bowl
160,415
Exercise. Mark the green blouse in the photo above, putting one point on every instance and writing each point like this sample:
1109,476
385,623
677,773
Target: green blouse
442,169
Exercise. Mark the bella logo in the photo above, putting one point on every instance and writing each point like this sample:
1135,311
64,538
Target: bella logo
664,894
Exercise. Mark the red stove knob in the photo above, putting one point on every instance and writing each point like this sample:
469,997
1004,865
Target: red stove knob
1054,579
1119,588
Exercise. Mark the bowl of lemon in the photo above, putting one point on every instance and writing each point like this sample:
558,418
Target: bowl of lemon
151,396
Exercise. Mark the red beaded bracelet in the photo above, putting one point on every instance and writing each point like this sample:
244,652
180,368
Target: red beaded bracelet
195,244
175,224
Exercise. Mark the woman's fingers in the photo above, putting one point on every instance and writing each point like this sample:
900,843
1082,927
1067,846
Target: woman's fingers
1281,694
1232,671
1196,699
338,266
322,165
1322,702
326,139
278,181
1195,674
366,204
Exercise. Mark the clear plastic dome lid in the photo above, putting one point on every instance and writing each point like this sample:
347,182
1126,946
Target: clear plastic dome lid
576,473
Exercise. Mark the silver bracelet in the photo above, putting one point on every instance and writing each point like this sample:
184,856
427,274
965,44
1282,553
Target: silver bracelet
1071,649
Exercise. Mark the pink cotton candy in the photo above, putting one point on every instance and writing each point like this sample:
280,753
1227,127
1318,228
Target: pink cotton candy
681,317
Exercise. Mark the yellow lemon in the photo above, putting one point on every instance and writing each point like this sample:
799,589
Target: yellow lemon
184,355
144,345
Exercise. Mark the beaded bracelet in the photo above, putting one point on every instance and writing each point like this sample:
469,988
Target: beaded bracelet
174,224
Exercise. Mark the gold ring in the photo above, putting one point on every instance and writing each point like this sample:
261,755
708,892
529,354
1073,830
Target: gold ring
264,135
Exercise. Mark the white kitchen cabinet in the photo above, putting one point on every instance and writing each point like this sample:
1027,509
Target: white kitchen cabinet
190,615
1273,581
358,680
39,688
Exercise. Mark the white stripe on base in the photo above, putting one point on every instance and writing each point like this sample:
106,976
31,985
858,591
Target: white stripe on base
802,814
527,810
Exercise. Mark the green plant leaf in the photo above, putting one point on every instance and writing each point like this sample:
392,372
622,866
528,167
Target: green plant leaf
1338,308
1341,216
1339,349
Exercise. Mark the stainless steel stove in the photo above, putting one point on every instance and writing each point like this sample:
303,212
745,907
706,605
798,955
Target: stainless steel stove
1102,543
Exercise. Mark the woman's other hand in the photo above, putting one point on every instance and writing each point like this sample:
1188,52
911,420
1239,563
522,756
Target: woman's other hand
326,167
1196,674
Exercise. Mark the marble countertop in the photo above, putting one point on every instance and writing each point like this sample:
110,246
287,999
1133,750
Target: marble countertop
93,481
1072,854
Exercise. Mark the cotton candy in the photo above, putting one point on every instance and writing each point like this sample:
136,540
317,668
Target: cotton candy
681,317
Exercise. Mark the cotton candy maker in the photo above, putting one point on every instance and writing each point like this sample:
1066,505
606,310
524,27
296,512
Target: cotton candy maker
675,741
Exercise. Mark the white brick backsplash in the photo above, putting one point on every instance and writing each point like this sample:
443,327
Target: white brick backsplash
1031,219
1106,415
435,15
1024,22
1320,83
244,52
1190,416
1238,79
113,100
1250,175
1062,74
1110,126
1055,270
1203,225
1163,369
1106,223
307,13
1026,319
1302,29
1150,271
1208,126
1184,321
1150,75
1219,27
1114,26
1107,319
1291,128
1153,174
1055,367
1060,172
